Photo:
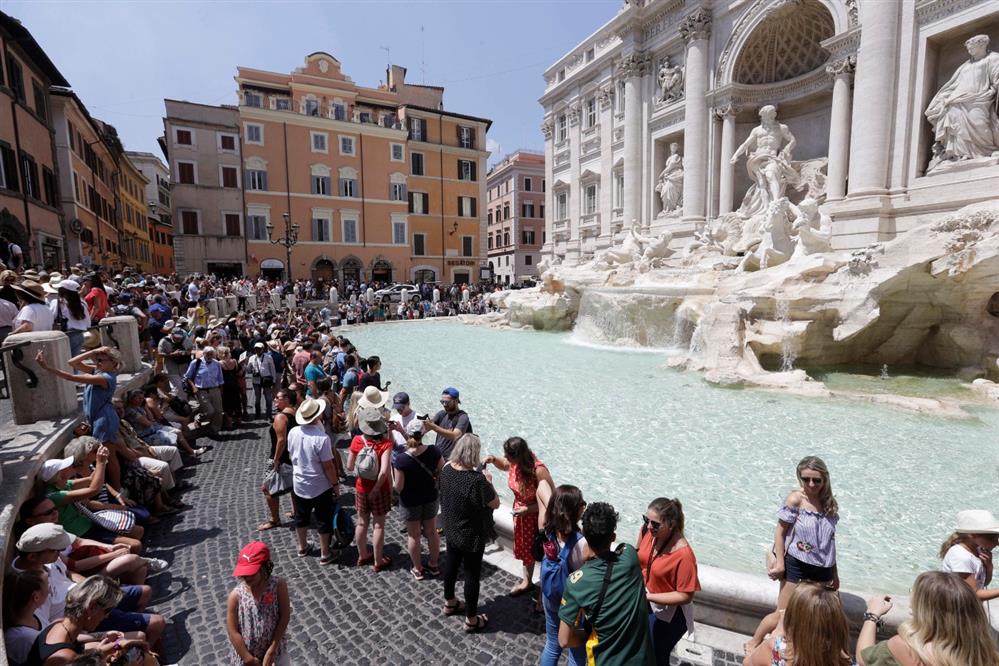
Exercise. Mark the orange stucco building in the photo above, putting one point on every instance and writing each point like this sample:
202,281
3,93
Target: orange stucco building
382,183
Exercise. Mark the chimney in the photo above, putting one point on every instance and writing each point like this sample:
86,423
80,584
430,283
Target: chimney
396,76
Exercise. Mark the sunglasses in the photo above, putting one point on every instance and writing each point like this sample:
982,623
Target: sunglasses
812,481
653,525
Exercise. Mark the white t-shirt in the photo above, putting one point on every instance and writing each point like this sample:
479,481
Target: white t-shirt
7,312
54,607
72,323
958,560
38,314
397,437
309,447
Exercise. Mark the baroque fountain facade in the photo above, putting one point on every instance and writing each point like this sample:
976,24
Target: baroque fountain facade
776,183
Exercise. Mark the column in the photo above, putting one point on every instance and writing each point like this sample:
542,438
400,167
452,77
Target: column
726,176
695,30
839,126
870,144
548,130
631,68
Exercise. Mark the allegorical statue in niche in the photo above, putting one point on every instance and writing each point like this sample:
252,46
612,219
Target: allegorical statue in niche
965,111
768,149
670,81
670,183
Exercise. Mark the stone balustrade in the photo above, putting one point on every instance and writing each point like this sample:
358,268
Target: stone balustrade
123,333
35,394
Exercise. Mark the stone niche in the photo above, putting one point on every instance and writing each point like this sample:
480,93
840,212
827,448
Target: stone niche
807,118
660,151
944,52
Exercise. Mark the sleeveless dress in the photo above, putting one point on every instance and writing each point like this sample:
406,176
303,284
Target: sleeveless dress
525,526
230,392
99,411
257,621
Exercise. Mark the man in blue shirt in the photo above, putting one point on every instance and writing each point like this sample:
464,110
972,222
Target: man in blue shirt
313,373
205,375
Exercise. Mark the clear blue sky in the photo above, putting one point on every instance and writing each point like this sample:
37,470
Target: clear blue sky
123,58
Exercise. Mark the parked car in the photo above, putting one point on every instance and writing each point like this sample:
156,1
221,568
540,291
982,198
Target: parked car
393,294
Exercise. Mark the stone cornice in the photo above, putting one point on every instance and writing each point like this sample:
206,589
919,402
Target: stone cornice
782,91
674,117
662,21
928,11
696,25
842,45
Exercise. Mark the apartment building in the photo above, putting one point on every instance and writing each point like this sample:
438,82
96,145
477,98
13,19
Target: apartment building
30,210
157,209
375,183
88,174
202,145
135,242
515,216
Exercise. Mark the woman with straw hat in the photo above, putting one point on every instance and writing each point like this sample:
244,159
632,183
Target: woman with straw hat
34,314
968,551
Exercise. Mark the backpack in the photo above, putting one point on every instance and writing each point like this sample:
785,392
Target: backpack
555,572
343,529
366,463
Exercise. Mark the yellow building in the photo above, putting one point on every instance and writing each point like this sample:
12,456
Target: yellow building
135,242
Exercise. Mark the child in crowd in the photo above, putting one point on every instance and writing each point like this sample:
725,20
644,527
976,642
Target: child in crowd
258,610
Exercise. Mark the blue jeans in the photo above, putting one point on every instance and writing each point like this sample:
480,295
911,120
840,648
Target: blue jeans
665,635
552,651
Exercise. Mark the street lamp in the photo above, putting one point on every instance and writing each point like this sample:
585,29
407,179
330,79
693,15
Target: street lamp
289,239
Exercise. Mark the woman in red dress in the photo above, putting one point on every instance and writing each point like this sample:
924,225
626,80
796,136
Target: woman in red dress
525,474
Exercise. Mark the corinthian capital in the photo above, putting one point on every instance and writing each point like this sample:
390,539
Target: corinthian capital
727,109
842,67
548,128
633,64
696,26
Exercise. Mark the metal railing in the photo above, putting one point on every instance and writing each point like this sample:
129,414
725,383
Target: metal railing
17,358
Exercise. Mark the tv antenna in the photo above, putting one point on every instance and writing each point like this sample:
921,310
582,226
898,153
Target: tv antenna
388,56
423,57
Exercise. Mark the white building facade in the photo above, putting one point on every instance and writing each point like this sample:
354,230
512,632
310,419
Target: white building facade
851,80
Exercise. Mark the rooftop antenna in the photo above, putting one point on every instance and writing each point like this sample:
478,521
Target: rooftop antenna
388,56
423,57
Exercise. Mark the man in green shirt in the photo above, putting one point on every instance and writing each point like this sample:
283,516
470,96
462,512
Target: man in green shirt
606,610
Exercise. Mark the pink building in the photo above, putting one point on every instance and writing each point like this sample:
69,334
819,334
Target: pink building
515,216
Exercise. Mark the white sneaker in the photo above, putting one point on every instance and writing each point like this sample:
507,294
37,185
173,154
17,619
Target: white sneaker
156,565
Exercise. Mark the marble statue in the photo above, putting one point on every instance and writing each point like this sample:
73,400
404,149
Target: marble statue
964,111
813,228
670,185
776,244
768,161
670,81
634,248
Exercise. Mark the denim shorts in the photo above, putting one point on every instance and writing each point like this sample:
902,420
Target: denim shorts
119,620
796,571
420,512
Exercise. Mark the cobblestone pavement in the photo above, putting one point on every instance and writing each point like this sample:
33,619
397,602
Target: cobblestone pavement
340,615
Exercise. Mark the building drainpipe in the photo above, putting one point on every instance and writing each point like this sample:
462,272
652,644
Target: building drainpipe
20,168
287,182
440,131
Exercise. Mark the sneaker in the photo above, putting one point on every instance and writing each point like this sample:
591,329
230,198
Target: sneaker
310,549
156,565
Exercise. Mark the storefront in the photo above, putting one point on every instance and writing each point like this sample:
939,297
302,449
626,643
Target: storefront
272,269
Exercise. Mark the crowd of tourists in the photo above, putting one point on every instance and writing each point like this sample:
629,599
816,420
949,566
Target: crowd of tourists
77,589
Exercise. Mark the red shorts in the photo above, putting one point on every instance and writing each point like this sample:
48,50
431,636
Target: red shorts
377,503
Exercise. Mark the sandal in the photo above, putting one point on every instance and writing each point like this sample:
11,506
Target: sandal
382,564
458,607
268,525
310,549
481,622
329,559
417,574
433,571
361,561
519,590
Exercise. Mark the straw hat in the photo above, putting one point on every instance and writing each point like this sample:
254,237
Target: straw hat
372,397
31,289
309,410
275,345
976,521
52,286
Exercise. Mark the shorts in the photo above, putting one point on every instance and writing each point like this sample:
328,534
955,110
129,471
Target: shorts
376,503
130,596
324,506
124,621
420,512
796,571
98,533
162,436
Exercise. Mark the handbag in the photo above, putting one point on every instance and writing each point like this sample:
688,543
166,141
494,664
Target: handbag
180,406
113,520
538,547
279,480
267,382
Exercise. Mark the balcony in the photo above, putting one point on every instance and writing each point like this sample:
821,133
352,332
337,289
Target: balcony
590,224
560,224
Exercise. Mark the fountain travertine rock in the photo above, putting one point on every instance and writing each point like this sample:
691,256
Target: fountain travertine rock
922,299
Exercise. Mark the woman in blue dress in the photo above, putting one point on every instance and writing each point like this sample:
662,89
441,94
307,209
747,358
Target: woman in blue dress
97,370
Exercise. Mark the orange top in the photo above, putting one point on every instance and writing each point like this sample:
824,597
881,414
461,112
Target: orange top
667,572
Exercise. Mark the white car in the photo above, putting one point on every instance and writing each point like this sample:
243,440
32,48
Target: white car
393,294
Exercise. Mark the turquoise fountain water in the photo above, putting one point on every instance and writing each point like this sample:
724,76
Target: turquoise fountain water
625,429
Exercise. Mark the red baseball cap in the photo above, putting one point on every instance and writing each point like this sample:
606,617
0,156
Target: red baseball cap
250,559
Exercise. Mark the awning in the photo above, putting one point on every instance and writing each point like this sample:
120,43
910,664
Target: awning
272,263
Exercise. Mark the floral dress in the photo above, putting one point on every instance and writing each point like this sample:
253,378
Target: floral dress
525,526
257,621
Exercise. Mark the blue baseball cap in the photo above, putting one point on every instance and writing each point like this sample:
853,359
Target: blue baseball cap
400,399
453,392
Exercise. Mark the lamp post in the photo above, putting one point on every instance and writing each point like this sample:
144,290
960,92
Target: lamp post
289,240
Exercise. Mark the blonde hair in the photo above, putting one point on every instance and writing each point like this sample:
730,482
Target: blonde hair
826,498
223,353
818,633
467,451
81,447
955,539
948,615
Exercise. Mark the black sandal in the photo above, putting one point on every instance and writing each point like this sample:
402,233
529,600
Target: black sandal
481,622
459,607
